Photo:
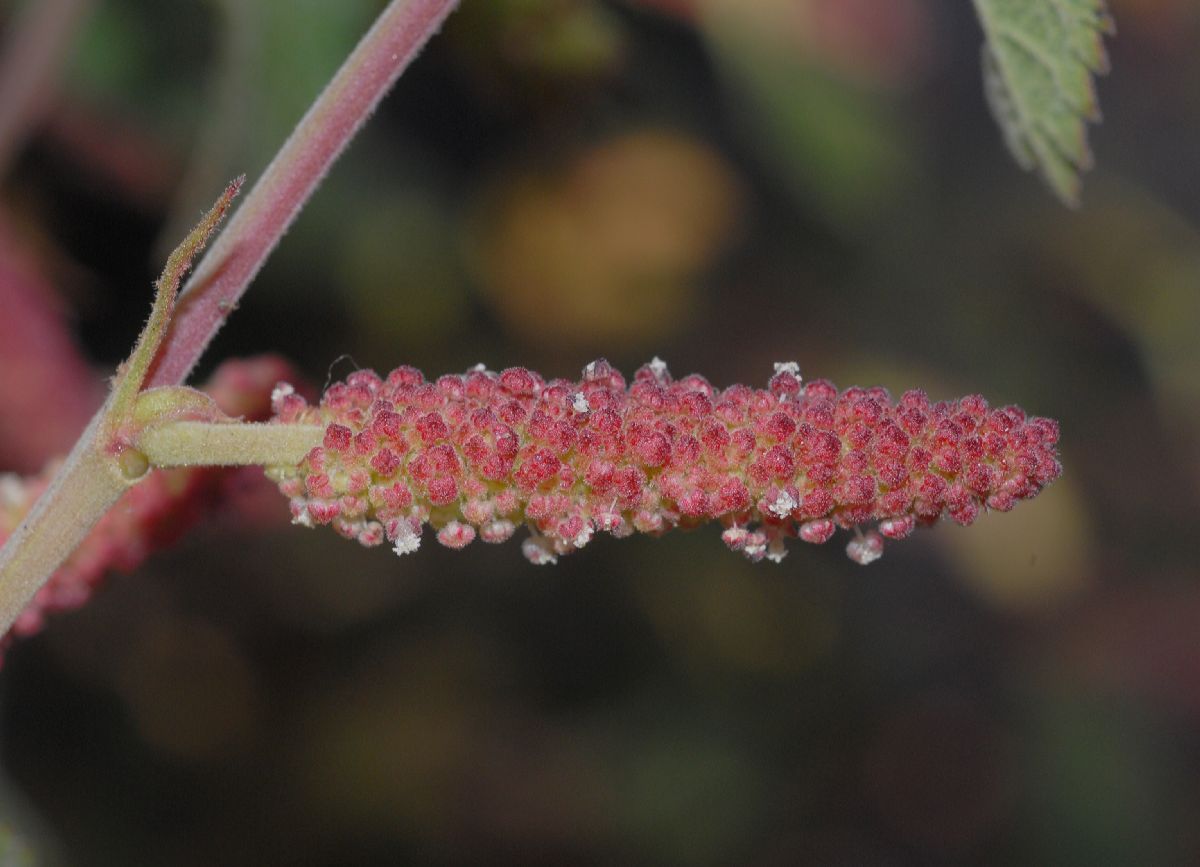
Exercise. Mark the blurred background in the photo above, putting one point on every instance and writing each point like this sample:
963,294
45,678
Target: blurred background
725,184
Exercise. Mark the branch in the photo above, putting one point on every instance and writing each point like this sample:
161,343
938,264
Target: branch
82,491
131,375
105,460
271,206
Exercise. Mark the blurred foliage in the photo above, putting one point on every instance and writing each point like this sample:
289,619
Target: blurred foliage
1150,284
14,851
830,132
529,54
1028,562
725,185
606,250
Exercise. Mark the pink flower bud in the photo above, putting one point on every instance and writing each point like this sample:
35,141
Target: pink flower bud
865,549
481,453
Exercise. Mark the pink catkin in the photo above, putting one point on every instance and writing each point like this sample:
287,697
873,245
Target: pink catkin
479,454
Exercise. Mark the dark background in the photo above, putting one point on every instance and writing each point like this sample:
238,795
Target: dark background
725,184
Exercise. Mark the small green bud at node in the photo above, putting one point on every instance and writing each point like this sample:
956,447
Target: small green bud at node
133,463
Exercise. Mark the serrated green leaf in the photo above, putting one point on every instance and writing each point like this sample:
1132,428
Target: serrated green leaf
1038,60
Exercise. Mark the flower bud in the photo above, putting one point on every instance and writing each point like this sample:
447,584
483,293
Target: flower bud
479,454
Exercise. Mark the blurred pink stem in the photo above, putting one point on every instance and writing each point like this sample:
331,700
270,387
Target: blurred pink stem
223,275
30,64
47,390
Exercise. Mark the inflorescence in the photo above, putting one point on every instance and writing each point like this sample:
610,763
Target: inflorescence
479,454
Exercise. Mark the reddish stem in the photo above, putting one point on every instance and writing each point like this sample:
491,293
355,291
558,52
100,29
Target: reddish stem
223,275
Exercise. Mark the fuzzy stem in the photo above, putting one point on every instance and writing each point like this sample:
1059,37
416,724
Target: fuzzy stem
196,443
132,374
401,30
86,487
102,464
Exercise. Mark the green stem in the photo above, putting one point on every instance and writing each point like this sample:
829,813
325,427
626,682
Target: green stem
82,491
225,444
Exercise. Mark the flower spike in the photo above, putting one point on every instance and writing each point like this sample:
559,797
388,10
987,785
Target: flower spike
477,454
